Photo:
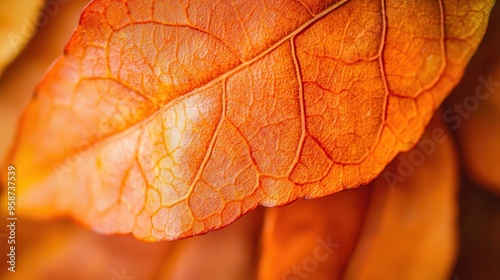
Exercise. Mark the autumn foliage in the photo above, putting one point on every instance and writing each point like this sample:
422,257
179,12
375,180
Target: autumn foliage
171,119
179,122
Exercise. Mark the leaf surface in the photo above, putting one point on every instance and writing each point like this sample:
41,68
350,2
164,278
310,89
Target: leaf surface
313,239
169,120
63,250
390,229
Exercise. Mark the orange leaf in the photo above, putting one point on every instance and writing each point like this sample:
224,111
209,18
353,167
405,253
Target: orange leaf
172,120
401,228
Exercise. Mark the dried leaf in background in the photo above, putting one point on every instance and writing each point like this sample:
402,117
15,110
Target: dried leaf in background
405,230
18,22
313,239
227,254
474,111
19,81
63,251
411,229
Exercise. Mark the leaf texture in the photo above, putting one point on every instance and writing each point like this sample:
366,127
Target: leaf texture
231,253
402,229
171,119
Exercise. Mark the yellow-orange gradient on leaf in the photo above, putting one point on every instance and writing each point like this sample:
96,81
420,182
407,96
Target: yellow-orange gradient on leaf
177,119
402,228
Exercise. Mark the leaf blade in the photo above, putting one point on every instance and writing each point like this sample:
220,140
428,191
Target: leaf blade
307,117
